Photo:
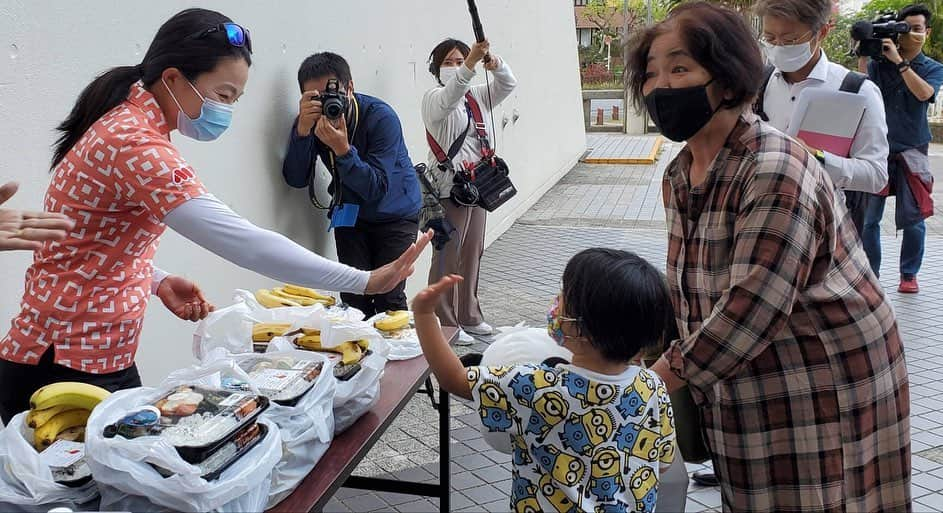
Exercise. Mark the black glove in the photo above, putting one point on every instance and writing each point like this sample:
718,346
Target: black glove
442,231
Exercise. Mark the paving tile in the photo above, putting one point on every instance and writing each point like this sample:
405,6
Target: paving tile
484,494
473,461
465,480
929,503
395,499
365,501
420,506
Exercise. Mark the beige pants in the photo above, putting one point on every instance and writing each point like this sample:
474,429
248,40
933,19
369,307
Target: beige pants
462,256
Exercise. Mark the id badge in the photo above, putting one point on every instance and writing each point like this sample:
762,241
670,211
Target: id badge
344,216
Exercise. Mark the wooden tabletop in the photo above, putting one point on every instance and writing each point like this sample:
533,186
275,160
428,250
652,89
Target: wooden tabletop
400,381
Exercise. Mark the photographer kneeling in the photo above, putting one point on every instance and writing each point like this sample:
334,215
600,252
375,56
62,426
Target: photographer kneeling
375,194
909,81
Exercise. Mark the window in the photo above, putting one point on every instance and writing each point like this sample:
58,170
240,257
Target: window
578,3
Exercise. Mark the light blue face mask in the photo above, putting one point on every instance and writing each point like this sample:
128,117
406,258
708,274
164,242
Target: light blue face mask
215,118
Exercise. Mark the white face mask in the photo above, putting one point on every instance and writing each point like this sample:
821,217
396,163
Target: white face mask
447,73
789,58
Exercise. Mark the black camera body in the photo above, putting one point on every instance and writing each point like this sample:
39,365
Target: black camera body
871,34
333,103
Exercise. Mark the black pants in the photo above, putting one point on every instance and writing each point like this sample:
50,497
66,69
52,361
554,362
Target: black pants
18,381
368,246
857,203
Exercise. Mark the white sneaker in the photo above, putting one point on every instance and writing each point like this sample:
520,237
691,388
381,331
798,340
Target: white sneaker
484,330
464,339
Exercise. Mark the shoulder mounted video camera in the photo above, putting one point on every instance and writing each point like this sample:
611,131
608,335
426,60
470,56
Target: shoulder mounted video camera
870,35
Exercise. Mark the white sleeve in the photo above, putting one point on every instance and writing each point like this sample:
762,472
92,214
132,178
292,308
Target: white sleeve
866,168
501,87
157,276
211,224
438,103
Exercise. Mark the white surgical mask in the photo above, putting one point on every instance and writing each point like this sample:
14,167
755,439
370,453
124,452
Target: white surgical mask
447,73
789,58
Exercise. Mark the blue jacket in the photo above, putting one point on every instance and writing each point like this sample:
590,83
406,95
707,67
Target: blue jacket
377,174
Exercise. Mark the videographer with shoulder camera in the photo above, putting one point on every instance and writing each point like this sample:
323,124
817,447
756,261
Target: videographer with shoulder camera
375,196
448,113
793,32
909,81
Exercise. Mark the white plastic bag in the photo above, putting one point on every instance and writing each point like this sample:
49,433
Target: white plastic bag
128,482
357,395
26,484
401,347
307,427
515,346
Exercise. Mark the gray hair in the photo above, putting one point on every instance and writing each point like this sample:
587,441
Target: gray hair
814,13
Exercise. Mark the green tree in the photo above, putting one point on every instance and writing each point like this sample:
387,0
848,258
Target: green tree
838,43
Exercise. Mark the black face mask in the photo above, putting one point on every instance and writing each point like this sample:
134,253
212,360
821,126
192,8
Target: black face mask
680,112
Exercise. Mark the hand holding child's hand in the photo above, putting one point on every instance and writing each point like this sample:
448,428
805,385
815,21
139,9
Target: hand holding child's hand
426,301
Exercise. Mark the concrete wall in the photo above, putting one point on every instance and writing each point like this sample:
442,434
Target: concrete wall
51,50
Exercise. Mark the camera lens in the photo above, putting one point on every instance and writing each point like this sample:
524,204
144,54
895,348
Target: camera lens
333,108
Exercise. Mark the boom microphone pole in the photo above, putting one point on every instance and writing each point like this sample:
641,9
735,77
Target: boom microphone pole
476,25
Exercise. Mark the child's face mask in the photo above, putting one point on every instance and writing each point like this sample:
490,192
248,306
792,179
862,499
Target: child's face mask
555,322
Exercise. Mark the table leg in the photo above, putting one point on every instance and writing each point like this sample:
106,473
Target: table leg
445,467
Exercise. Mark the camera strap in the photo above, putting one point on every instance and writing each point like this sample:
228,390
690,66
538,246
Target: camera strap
336,182
481,132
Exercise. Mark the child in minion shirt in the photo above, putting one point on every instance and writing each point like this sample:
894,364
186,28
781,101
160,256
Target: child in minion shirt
592,435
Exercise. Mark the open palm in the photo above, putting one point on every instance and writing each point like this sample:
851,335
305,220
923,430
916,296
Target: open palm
27,230
182,297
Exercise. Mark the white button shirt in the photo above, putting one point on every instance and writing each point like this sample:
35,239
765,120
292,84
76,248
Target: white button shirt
866,168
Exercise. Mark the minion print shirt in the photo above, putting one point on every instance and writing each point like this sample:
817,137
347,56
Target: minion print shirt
582,441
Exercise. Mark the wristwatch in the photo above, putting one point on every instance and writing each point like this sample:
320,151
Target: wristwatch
819,155
903,65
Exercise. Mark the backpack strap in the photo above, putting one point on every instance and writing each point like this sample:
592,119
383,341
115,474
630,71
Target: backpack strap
441,156
758,103
474,110
852,82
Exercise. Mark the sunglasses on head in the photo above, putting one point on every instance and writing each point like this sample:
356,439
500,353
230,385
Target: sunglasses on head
235,34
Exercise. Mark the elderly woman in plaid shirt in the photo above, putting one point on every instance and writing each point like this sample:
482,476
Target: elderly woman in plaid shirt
787,342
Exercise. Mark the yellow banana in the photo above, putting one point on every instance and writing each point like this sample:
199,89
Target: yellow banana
351,352
267,299
45,435
301,300
394,320
266,331
37,418
298,290
77,395
363,344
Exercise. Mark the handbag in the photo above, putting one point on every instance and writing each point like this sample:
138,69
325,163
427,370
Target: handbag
485,183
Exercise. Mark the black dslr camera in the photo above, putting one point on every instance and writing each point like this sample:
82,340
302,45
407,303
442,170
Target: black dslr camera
333,103
870,34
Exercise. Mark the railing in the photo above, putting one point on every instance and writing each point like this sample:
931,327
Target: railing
935,112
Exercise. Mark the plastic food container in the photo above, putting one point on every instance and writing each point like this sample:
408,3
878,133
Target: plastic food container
283,379
197,421
238,445
66,460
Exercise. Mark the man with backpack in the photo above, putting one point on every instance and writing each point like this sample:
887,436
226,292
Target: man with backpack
793,32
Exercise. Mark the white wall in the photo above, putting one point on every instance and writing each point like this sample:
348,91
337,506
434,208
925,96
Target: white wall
52,49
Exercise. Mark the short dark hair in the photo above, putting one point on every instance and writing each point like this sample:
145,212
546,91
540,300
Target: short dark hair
321,65
441,51
717,38
620,299
813,13
916,10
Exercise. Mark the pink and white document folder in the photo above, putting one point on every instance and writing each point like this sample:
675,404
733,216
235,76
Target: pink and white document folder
827,120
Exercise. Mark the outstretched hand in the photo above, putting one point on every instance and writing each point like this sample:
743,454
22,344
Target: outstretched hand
426,301
386,278
182,297
21,229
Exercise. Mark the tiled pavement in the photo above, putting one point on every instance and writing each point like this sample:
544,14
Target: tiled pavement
619,206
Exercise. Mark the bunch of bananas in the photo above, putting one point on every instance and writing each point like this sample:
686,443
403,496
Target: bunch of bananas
393,321
351,352
292,295
59,411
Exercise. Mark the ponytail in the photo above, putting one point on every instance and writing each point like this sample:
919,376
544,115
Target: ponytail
103,94
179,43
